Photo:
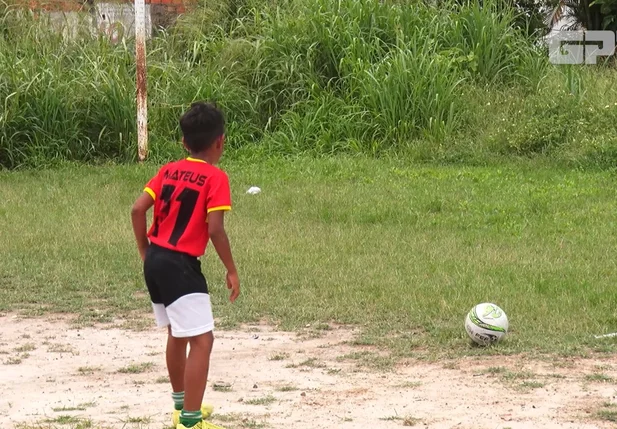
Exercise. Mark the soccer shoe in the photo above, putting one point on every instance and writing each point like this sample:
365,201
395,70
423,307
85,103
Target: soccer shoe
201,425
206,411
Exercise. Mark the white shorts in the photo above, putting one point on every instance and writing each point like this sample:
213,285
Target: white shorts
178,291
189,316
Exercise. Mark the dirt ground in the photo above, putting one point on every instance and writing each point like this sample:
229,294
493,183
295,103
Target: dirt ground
263,378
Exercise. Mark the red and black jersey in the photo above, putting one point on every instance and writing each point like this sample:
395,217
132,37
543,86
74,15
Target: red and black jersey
184,192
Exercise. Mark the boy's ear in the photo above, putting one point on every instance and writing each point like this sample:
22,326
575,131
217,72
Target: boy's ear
184,144
220,141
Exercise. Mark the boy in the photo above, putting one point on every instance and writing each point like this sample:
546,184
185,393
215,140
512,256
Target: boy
190,198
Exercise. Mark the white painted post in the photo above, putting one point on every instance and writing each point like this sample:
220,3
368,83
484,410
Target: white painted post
140,53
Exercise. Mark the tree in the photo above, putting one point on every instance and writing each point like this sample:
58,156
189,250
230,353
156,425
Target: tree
586,14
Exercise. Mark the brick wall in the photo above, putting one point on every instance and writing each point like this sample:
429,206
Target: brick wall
106,15
157,7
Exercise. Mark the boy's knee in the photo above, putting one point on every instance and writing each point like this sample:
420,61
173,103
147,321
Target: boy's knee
204,340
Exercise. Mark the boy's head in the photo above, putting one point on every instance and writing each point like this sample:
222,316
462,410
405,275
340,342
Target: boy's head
203,129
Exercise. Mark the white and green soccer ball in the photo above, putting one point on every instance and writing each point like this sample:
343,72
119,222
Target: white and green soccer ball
486,324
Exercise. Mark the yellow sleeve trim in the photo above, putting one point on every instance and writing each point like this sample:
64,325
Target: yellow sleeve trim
151,192
214,209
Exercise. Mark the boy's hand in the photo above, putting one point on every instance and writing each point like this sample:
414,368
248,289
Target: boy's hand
142,253
218,236
233,283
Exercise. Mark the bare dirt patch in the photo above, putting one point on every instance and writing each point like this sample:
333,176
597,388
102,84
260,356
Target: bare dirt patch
263,378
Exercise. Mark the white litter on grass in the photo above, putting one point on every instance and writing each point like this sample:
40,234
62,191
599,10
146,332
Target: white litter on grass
253,190
614,334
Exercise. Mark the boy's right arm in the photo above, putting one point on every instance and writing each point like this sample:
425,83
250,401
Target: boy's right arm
140,223
139,210
218,236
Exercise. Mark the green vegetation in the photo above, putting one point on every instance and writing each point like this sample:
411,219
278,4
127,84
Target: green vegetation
65,419
451,82
238,421
28,347
287,388
280,356
607,412
86,370
403,251
81,407
599,378
137,368
266,400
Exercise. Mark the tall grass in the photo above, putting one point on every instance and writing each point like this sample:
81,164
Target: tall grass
316,76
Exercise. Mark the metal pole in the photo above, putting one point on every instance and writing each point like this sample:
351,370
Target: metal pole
140,53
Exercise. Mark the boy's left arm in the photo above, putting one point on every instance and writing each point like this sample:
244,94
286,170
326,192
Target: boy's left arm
140,222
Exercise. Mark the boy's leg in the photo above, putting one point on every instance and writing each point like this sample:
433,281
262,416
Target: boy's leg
195,378
196,372
163,271
176,360
187,304
176,364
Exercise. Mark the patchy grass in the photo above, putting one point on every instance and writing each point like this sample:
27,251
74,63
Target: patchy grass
222,387
136,368
599,378
391,418
279,356
75,422
16,360
356,356
266,400
608,415
411,421
308,363
85,370
287,388
527,236
531,384
607,412
138,420
409,385
322,327
496,370
517,375
28,347
61,348
239,421
80,407
518,380
252,424
371,360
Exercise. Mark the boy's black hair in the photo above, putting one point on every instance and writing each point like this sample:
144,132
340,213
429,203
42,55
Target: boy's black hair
201,125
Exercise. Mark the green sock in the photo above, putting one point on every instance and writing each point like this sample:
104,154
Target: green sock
178,398
190,418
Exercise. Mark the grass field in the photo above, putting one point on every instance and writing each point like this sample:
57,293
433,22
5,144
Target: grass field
416,158
401,250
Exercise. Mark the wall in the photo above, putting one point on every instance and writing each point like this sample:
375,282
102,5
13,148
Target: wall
116,19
